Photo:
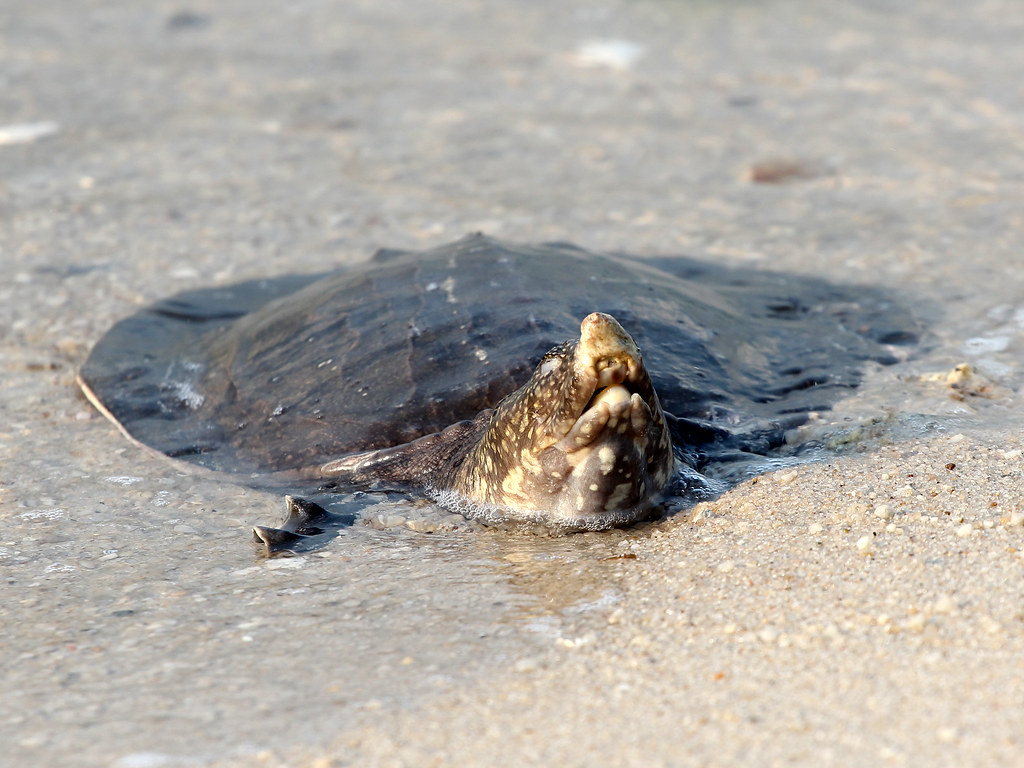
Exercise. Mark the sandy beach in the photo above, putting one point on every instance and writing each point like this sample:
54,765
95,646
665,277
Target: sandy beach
864,607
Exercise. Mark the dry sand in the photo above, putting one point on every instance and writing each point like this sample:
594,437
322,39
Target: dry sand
867,609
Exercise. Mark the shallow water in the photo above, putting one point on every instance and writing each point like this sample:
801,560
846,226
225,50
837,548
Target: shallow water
146,594
139,623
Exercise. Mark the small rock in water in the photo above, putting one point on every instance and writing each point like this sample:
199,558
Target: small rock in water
143,760
421,526
25,133
982,344
779,171
613,54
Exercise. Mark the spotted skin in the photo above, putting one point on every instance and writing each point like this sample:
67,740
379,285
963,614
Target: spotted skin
582,445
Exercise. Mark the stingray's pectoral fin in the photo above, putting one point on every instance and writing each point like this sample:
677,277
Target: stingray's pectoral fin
308,526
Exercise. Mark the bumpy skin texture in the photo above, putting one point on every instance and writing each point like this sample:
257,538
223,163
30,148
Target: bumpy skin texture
582,445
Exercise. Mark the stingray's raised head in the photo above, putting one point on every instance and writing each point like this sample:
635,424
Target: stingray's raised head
582,445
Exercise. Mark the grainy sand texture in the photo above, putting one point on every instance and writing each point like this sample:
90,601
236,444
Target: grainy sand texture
865,608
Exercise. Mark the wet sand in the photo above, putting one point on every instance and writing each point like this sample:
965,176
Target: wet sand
864,609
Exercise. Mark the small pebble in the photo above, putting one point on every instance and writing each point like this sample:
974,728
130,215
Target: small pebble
525,665
944,604
421,526
143,760
815,528
519,557
613,54
25,133
285,563
785,478
965,530
915,623
883,512
768,635
184,273
864,543
990,625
